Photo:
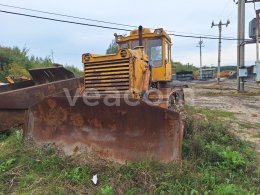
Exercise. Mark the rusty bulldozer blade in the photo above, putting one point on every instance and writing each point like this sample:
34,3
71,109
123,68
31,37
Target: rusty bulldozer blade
118,133
15,103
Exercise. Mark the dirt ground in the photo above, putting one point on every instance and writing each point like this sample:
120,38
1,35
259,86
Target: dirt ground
245,106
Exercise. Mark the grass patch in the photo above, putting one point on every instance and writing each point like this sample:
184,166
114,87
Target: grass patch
214,162
256,135
248,125
258,125
209,114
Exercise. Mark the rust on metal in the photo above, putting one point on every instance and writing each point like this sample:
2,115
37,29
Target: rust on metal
15,86
24,98
119,133
47,75
15,99
113,128
9,118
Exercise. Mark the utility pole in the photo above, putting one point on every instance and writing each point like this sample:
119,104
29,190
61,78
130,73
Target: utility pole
241,41
240,44
52,56
200,45
257,66
220,24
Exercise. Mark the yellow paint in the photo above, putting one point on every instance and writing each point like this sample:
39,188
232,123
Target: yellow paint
163,73
106,80
115,70
107,73
102,70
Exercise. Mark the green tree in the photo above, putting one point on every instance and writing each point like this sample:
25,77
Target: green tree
77,72
112,48
16,61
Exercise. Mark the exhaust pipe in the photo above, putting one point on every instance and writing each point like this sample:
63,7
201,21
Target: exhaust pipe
140,35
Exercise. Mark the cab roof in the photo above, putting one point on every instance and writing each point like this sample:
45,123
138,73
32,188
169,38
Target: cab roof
147,33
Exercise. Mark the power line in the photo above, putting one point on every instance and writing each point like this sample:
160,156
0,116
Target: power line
225,8
196,35
100,21
206,37
68,16
192,34
106,27
231,12
64,21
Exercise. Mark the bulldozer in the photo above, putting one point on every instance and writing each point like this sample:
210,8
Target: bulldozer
126,109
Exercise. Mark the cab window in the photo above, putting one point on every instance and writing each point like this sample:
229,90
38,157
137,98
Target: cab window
155,52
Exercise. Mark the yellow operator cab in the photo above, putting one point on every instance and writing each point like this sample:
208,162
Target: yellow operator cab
157,46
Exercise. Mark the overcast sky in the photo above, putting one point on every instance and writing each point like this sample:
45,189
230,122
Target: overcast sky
69,41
